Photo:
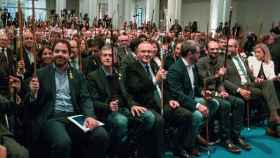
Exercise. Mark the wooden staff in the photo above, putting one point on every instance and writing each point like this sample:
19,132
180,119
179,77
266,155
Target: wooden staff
33,49
20,22
114,55
79,47
272,25
207,32
112,42
260,30
205,87
151,24
162,56
99,9
228,37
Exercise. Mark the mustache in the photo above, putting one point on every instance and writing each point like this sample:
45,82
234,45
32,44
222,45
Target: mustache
60,58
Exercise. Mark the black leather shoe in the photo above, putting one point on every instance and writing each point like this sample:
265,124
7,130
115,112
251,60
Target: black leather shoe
273,129
242,144
231,147
201,140
195,152
182,154
271,132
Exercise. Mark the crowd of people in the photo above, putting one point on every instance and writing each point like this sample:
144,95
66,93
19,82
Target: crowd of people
153,90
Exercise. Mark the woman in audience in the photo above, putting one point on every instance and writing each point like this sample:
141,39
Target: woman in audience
45,57
263,70
261,64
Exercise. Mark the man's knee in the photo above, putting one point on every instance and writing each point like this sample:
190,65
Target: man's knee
13,149
224,104
213,105
239,102
197,118
22,153
184,115
99,136
148,120
62,144
118,121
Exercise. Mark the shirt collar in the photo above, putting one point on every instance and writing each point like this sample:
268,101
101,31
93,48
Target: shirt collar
106,72
186,63
212,61
144,65
56,69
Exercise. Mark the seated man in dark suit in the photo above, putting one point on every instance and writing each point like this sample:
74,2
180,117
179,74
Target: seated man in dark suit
111,101
212,71
10,106
10,100
240,81
142,85
186,86
59,91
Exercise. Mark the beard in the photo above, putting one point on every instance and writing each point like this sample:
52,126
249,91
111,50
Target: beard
60,61
213,59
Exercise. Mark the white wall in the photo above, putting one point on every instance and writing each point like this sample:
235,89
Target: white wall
196,10
249,13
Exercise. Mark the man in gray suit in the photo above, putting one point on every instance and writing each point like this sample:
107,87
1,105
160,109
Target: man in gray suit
213,71
240,81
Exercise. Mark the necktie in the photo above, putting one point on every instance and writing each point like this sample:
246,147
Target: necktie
3,58
261,73
190,73
157,90
242,68
240,65
147,69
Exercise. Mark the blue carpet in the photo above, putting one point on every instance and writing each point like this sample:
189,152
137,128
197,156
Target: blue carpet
263,146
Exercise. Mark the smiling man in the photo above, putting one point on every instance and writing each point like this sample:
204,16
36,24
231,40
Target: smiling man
142,85
111,102
59,91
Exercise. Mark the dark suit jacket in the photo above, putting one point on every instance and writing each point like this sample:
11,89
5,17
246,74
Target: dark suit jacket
90,64
232,79
6,107
139,86
100,92
5,71
169,60
10,67
275,55
28,65
180,87
122,53
126,61
207,70
43,107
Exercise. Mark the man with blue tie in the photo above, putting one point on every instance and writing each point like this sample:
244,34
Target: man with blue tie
142,85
